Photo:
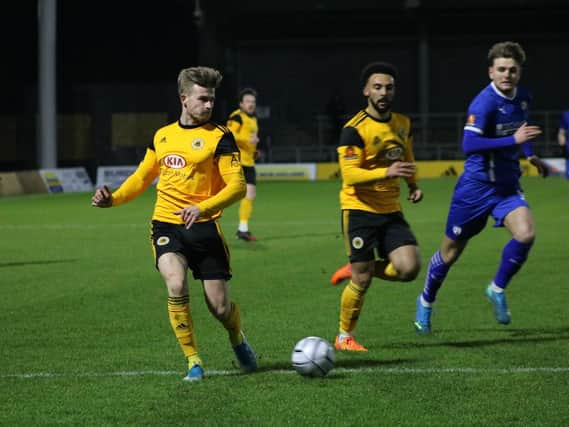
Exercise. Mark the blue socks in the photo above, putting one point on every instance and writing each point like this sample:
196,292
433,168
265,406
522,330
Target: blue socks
435,276
513,257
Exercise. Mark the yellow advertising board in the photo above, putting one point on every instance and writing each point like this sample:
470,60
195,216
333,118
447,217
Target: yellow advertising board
425,169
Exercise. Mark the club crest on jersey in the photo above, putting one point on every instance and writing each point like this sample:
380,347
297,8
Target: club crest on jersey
162,241
524,105
198,144
357,243
350,153
175,161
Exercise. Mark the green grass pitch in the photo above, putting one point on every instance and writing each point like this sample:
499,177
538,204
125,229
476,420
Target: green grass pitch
85,338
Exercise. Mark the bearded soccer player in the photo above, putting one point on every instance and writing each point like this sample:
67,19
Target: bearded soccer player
375,151
197,163
243,124
496,128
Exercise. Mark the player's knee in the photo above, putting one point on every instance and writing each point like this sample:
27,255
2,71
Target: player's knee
451,251
176,290
175,284
525,236
362,279
220,311
408,272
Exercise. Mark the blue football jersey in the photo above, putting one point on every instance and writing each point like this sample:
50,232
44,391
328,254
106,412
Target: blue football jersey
564,124
493,115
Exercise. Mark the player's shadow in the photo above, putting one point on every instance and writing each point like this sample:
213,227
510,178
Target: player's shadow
248,246
342,368
273,366
259,246
37,262
371,363
523,336
298,236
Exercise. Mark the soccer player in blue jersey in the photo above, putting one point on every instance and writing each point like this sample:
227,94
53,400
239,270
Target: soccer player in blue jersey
562,135
496,128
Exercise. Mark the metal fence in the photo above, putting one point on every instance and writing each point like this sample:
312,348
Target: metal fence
437,136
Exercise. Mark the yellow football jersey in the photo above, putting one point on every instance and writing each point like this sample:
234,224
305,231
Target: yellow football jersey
196,165
244,127
367,147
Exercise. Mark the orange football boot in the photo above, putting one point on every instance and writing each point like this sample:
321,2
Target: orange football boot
343,273
348,343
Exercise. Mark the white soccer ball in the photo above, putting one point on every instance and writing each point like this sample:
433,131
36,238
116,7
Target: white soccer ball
313,357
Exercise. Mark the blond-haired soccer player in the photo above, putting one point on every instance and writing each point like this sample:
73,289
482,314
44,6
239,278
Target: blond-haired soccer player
375,151
243,124
197,163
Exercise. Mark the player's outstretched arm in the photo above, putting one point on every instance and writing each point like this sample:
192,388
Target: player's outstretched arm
103,198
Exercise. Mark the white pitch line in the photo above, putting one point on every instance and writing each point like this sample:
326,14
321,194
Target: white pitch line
386,371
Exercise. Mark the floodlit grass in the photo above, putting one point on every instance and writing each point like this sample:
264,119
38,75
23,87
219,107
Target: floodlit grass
85,338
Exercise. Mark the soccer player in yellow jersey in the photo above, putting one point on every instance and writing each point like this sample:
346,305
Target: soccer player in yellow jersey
243,124
199,173
375,151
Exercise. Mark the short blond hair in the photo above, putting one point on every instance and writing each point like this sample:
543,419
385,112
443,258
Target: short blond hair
202,76
507,50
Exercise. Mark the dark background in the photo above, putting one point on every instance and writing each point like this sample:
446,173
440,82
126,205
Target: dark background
124,57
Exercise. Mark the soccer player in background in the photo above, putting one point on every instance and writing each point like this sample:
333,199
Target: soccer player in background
197,163
375,150
562,139
243,124
496,128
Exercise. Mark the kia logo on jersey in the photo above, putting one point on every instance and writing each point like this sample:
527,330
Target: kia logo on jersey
175,161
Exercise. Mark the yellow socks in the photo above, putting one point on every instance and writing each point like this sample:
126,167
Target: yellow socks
183,325
233,325
385,270
245,210
350,306
194,360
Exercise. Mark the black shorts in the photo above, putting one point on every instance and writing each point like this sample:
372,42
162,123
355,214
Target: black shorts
250,174
369,236
202,244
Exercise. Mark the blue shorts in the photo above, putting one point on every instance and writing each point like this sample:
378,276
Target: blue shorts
474,201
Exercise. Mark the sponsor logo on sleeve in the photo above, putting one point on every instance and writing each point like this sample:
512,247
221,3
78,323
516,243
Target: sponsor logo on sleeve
350,153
